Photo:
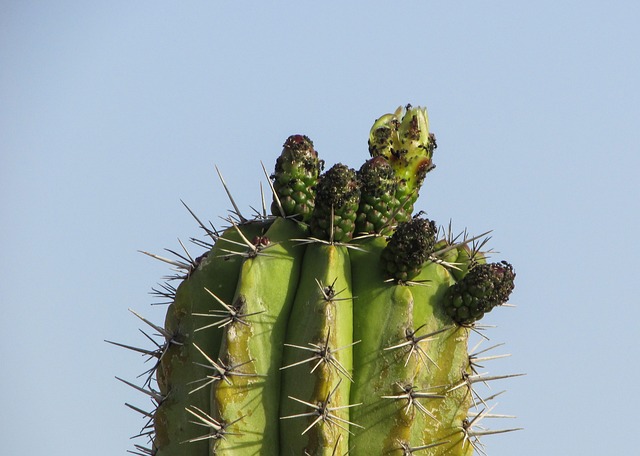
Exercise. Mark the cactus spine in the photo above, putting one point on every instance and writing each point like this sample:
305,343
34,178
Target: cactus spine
337,325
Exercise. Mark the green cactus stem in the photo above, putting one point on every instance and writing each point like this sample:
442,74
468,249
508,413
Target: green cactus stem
443,345
246,396
177,372
317,366
411,357
340,324
383,313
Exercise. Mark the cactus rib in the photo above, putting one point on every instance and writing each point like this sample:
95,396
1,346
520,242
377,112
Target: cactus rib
265,290
321,319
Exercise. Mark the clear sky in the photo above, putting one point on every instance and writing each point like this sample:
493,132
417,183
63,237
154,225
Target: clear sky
111,112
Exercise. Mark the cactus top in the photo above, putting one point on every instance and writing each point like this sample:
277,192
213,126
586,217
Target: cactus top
288,338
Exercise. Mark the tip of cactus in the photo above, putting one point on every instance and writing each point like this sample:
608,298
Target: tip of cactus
328,209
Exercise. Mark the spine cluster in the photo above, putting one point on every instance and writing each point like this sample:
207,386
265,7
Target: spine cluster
337,325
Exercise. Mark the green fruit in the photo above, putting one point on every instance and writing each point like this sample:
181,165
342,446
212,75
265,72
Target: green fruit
409,248
378,202
403,138
295,179
337,202
484,287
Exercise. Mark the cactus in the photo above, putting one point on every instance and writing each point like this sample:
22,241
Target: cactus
339,324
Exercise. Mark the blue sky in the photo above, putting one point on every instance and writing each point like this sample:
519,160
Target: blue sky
111,112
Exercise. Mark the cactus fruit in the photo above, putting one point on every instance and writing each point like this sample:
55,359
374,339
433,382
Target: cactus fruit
403,138
337,325
337,201
378,202
295,176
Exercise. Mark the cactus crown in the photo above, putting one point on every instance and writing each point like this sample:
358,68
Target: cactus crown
338,324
